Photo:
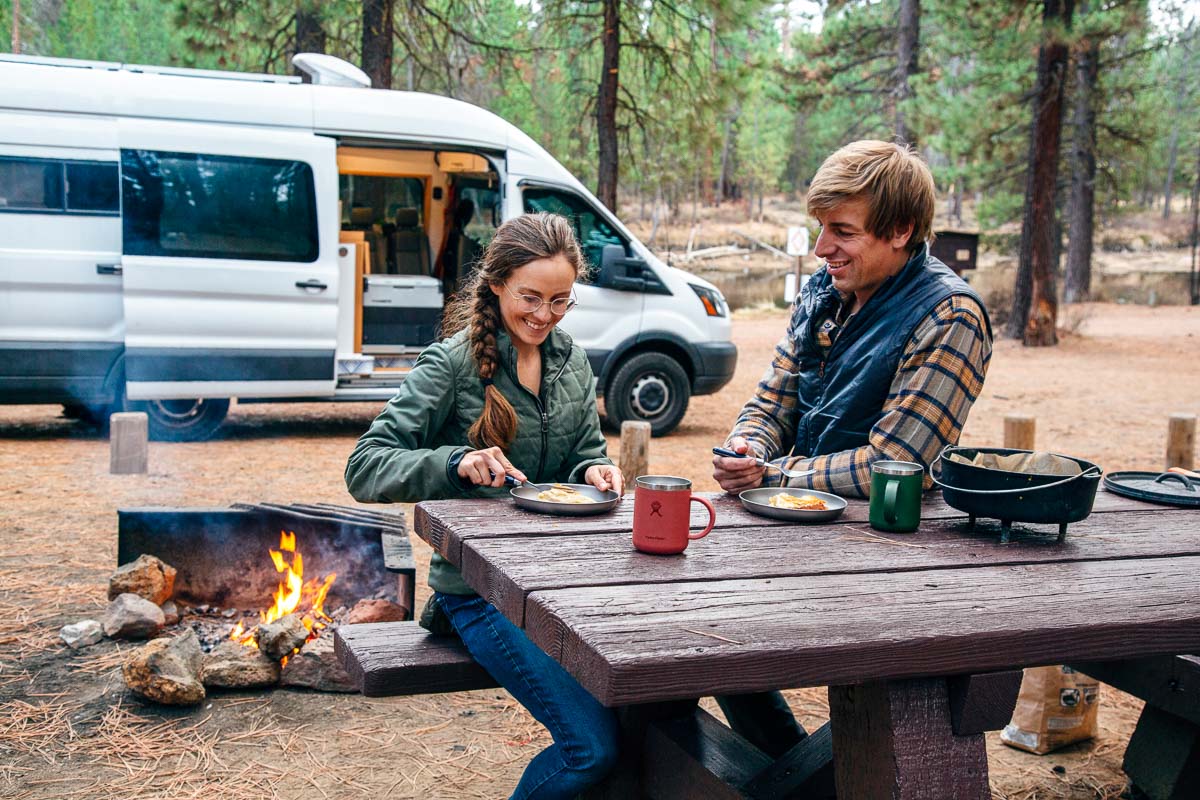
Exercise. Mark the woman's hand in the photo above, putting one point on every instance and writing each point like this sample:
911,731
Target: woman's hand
605,477
737,474
487,467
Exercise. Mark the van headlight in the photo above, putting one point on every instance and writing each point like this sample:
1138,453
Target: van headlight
714,304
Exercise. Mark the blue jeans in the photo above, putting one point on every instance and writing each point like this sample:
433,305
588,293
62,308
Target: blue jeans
585,732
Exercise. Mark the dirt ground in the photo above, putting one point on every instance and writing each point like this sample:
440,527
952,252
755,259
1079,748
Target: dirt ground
68,728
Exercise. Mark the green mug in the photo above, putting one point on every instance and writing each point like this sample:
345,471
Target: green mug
896,496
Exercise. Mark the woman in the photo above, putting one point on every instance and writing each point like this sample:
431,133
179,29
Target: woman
506,394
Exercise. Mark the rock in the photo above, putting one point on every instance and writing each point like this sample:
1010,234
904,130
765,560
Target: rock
132,617
148,577
167,671
376,611
171,612
279,638
231,665
316,667
82,634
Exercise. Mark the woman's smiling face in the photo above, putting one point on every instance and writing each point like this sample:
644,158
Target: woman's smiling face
547,279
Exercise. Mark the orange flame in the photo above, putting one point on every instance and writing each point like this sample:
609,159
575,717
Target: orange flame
292,594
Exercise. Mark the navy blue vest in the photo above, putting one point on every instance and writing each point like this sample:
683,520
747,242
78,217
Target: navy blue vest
841,395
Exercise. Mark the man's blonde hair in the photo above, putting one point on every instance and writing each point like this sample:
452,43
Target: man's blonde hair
892,178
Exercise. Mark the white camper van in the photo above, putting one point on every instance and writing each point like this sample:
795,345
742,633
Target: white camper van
171,239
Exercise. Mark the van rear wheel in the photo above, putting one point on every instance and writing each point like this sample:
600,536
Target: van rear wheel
650,387
182,420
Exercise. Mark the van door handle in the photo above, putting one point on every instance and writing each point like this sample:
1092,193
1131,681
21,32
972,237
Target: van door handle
311,284
108,269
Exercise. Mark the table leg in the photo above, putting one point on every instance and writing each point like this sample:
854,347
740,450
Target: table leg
894,740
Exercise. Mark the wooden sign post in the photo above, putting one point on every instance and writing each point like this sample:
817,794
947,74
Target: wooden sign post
1018,432
128,437
1181,441
635,450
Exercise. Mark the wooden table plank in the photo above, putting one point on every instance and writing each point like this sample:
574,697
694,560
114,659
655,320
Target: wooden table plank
447,524
668,641
506,570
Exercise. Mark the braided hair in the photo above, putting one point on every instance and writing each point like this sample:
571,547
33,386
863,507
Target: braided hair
519,241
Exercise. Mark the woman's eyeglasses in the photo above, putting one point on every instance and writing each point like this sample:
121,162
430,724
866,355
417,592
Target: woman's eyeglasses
530,303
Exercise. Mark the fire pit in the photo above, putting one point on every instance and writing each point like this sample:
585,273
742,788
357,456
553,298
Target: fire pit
221,554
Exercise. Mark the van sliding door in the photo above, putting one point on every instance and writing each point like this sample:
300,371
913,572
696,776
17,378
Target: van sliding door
230,263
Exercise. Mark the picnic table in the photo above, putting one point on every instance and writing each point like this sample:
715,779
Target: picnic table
920,637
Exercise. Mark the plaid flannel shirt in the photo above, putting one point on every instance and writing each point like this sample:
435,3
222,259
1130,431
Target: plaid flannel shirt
940,375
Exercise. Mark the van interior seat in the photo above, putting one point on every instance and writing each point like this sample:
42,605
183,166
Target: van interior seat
409,251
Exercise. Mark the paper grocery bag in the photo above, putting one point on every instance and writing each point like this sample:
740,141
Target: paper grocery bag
1057,706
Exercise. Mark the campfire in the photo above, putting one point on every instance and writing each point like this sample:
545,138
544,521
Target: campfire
293,595
187,574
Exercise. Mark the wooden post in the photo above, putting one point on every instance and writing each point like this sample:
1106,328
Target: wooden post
1181,441
128,436
635,450
1018,432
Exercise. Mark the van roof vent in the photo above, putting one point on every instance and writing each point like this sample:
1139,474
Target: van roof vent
326,70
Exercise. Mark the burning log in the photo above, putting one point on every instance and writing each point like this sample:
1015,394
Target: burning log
147,577
167,671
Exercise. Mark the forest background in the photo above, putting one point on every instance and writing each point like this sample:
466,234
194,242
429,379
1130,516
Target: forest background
1052,117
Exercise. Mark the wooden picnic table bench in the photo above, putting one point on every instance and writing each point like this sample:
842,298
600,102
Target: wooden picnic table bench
919,637
1163,756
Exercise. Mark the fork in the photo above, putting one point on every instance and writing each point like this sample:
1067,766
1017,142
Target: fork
791,473
509,480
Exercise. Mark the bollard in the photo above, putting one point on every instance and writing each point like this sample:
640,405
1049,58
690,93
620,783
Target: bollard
1181,441
635,450
128,441
1018,432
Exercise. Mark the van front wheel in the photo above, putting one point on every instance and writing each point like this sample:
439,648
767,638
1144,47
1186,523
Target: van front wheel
182,420
650,387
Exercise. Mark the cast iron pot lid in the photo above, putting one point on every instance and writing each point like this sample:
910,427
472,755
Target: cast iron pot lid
1157,487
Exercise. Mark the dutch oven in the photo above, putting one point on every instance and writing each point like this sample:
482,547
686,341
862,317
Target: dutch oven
1016,496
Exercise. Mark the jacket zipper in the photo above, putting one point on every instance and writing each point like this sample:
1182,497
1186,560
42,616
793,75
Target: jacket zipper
544,413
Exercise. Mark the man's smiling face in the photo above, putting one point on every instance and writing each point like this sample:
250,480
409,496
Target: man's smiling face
858,262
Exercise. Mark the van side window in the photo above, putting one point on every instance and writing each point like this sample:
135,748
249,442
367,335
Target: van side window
191,205
93,187
54,186
593,231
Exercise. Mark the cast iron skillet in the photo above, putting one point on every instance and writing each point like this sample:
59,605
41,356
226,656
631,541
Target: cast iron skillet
1016,496
526,497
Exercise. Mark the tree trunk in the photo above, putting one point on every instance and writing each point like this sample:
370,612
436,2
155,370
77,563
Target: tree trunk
798,158
606,107
1181,93
1196,231
907,56
310,33
377,41
723,178
1082,208
1035,300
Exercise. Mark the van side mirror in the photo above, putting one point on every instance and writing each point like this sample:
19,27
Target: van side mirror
618,271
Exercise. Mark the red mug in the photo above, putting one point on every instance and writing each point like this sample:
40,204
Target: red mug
662,512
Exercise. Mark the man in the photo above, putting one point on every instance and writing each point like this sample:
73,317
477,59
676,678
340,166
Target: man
884,355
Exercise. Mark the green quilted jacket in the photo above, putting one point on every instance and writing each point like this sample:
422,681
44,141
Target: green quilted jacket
403,457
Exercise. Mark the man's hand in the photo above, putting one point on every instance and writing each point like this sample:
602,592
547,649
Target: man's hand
737,474
605,477
487,467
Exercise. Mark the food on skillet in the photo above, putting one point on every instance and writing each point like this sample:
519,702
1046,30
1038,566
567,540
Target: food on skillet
804,503
564,494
